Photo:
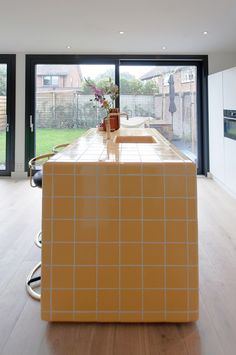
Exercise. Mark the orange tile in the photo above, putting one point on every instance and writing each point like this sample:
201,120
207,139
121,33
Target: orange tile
108,254
175,168
85,254
176,231
108,231
63,230
153,254
131,277
85,185
86,208
130,168
130,208
108,168
131,300
63,168
176,254
193,254
108,208
62,300
191,186
153,231
45,276
63,254
48,168
47,207
193,277
46,230
108,317
176,277
153,169
130,185
46,254
175,186
130,231
193,300
192,209
85,300
86,231
153,186
130,254
177,317
45,300
63,208
192,231
131,317
153,317
190,169
108,277
153,208
175,208
63,317
85,277
62,277
47,185
63,185
108,300
85,317
153,277
108,185
176,300
153,300
85,168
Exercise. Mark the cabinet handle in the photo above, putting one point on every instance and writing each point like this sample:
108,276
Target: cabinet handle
31,124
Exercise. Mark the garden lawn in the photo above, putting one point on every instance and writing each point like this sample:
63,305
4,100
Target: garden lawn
2,147
47,138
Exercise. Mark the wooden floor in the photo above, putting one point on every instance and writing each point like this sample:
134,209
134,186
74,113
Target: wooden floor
22,331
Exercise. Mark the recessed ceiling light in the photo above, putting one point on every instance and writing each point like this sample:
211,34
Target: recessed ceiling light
68,47
205,33
121,32
164,48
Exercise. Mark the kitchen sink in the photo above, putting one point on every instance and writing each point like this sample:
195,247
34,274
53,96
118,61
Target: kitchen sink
134,139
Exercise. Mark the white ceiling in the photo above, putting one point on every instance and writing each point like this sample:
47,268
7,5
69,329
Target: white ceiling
49,26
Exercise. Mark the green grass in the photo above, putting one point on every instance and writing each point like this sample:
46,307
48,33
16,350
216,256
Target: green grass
47,138
2,147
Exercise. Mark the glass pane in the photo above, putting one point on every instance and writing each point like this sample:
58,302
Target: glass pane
164,98
3,117
64,109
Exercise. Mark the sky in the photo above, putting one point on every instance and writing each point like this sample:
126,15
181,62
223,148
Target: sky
93,70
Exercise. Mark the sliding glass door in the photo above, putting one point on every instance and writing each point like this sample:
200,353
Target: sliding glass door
7,95
164,98
168,95
64,106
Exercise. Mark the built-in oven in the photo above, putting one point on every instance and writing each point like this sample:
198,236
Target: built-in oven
230,124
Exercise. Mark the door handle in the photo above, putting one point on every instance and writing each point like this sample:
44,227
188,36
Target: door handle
31,124
7,127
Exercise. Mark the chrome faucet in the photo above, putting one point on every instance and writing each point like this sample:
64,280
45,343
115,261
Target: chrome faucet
108,127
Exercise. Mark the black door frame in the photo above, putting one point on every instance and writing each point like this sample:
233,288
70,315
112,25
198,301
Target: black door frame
200,61
10,61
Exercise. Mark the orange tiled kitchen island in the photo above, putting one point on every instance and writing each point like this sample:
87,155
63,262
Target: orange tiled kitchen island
120,231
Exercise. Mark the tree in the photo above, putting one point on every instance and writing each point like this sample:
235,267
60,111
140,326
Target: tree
3,78
150,87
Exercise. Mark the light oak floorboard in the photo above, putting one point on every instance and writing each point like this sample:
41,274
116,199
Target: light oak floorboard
23,332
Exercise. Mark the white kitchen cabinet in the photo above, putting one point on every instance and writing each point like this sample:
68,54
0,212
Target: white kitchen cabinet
229,89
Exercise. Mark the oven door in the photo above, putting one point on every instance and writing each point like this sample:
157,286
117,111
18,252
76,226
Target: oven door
230,128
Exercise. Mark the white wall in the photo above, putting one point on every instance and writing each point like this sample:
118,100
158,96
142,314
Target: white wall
221,61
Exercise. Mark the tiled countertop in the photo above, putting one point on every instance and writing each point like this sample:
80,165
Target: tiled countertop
94,147
119,231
